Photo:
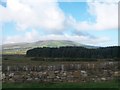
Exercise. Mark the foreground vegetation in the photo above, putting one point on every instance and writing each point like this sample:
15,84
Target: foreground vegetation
23,60
11,60
111,84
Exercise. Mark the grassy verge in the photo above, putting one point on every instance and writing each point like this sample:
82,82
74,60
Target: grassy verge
62,85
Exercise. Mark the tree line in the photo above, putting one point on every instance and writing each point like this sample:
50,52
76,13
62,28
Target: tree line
75,52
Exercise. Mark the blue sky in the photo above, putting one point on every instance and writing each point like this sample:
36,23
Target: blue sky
78,10
83,22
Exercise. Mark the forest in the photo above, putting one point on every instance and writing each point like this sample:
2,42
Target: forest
75,52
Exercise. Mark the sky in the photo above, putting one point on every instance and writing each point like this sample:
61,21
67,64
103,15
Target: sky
91,22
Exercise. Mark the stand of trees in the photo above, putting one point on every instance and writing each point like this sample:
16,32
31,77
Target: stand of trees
75,52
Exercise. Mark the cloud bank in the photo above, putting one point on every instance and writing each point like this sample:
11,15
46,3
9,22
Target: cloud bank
48,16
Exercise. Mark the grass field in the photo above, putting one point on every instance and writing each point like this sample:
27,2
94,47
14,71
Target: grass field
111,84
23,60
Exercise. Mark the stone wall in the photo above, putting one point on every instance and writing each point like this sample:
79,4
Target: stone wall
86,72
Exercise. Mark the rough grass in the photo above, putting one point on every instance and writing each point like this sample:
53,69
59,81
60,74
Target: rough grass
62,85
21,59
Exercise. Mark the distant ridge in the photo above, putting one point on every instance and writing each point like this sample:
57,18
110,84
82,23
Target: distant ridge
21,48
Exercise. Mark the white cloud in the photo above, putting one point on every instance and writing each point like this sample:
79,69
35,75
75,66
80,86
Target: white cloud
33,14
89,1
0,34
34,36
106,17
27,37
48,16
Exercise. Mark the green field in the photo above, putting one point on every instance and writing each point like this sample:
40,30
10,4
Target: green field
23,60
111,84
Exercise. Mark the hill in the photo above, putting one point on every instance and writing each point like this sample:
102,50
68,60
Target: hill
21,48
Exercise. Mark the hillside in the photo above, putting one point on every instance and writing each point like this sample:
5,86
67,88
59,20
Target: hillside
21,48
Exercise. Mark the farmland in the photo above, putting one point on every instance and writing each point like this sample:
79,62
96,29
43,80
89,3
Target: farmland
25,70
